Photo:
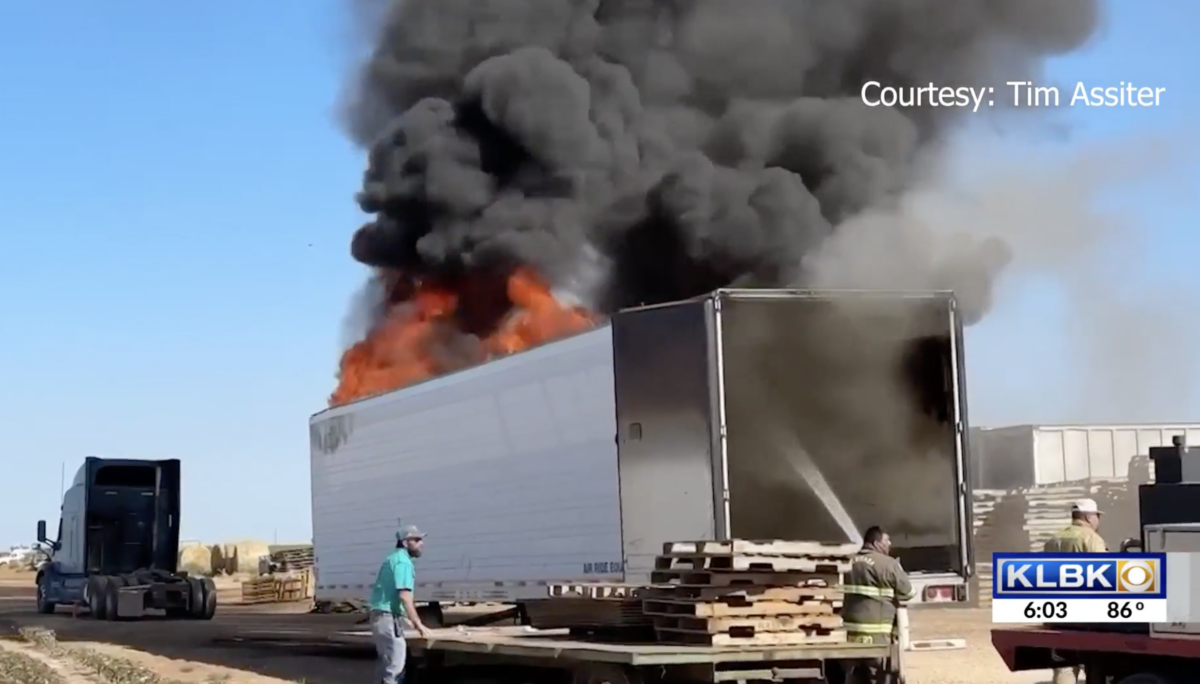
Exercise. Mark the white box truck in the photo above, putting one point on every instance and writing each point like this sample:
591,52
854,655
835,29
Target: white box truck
749,414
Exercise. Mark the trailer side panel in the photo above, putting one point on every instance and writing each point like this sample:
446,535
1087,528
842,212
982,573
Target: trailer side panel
510,468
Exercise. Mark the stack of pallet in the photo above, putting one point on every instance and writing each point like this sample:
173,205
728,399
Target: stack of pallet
1022,520
297,557
983,503
749,593
258,590
295,586
1048,511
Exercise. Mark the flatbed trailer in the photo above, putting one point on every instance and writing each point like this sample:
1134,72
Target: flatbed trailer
1125,654
596,661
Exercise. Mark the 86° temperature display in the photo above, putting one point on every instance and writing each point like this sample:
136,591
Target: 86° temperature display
1080,610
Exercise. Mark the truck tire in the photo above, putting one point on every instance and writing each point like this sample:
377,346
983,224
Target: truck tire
210,598
44,605
196,598
94,594
112,599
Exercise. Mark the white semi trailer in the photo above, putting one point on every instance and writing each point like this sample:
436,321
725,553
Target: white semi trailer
751,414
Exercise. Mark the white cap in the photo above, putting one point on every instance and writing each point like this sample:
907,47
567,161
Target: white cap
1085,506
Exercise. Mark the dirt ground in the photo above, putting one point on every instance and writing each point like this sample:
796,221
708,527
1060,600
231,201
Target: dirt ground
61,649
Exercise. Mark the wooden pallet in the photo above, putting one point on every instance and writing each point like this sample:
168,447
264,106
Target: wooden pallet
723,578
298,558
817,589
747,625
749,563
259,590
794,549
733,609
800,637
744,592
275,589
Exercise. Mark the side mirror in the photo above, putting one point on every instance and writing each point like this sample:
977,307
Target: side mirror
41,532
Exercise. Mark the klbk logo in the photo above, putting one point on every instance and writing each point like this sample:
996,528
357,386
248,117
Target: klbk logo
1019,575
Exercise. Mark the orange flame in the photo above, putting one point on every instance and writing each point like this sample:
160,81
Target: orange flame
403,348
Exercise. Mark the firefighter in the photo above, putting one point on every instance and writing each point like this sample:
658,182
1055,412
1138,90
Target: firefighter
874,590
1081,537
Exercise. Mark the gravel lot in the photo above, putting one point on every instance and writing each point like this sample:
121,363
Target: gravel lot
976,664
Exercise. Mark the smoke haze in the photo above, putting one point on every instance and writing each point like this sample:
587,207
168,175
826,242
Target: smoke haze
1128,334
674,146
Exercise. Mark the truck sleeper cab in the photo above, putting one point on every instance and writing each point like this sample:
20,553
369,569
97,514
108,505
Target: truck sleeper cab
117,547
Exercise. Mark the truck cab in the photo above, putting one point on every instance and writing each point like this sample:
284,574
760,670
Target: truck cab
116,551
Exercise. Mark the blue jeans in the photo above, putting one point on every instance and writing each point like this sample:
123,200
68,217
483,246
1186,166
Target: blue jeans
387,631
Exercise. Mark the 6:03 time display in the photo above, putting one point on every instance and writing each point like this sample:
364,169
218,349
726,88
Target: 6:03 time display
1056,610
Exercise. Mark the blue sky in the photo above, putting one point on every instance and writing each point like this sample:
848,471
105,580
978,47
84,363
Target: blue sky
176,203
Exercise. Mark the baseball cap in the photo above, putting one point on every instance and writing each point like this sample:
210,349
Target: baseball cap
1085,506
409,532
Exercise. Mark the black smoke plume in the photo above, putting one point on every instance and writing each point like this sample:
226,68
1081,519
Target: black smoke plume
676,145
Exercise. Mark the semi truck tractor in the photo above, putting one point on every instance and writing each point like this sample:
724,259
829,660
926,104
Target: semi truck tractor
117,548
743,414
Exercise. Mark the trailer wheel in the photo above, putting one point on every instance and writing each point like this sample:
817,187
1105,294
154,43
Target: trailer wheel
605,673
111,599
44,605
210,598
94,595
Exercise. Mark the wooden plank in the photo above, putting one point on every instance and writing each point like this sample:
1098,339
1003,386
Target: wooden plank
747,593
797,638
747,626
723,578
770,547
751,609
742,563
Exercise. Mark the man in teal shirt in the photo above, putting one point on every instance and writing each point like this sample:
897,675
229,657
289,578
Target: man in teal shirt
392,602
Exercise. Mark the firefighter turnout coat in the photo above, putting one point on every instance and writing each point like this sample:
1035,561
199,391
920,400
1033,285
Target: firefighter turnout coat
874,587
1078,538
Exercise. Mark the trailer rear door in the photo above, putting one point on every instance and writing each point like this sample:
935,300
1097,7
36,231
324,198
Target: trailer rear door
844,411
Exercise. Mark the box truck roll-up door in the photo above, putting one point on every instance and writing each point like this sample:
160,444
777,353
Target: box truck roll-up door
842,411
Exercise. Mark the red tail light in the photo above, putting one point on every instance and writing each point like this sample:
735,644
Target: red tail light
939,594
